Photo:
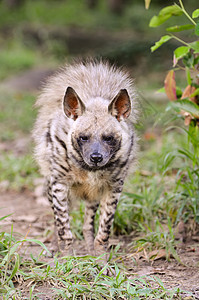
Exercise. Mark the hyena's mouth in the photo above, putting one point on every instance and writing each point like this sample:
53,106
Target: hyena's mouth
96,165
104,164
93,166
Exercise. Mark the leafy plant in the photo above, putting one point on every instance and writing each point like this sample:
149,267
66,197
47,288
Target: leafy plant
185,58
159,238
185,104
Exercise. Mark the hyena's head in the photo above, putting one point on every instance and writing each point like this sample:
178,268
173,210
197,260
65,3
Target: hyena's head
96,134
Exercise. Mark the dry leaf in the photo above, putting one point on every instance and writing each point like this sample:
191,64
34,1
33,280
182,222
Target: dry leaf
189,90
170,86
150,136
147,3
145,173
187,120
157,254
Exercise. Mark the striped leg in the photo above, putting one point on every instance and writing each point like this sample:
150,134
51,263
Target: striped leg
54,243
107,212
59,201
88,228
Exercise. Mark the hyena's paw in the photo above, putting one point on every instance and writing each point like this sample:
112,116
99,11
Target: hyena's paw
100,248
59,248
66,249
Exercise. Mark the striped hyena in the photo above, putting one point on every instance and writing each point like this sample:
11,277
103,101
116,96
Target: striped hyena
85,145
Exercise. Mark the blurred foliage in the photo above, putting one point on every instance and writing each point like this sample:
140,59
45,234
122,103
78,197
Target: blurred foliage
33,30
16,114
184,105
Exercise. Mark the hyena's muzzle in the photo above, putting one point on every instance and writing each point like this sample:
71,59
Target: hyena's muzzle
98,151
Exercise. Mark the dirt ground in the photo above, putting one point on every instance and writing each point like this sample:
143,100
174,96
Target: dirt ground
32,216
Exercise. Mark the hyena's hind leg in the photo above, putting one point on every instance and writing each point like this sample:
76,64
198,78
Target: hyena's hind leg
57,195
88,228
108,207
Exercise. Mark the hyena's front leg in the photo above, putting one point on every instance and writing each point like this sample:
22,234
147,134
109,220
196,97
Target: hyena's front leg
88,228
48,189
63,235
107,211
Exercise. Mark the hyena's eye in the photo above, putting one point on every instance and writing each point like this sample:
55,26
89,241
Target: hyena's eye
84,138
108,138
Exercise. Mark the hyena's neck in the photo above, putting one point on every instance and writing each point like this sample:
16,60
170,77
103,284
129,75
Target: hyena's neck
89,185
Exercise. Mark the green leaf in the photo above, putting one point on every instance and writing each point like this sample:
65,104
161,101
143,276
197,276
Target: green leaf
178,92
196,60
189,79
159,43
186,105
158,20
195,93
179,53
12,250
37,242
195,46
165,14
4,217
188,60
186,153
100,273
197,28
173,10
180,28
162,90
195,13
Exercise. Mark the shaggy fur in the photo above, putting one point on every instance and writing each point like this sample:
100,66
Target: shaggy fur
85,145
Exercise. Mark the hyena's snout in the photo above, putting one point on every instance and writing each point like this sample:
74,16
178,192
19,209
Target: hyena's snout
95,154
96,157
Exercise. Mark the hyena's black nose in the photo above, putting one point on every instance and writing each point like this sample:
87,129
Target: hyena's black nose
96,157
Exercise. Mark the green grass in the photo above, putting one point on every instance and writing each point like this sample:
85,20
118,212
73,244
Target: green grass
16,117
18,171
70,277
16,114
16,58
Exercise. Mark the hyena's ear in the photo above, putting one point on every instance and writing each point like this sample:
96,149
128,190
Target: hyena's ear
120,106
72,104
